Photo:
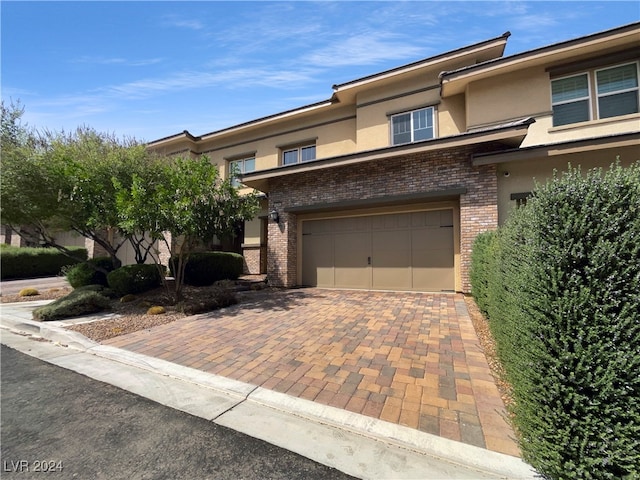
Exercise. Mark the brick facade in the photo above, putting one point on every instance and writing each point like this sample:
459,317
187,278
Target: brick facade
254,256
423,172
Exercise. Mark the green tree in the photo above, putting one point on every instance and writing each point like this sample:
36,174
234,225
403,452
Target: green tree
189,199
64,182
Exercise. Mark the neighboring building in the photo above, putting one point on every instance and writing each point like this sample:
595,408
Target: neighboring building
386,184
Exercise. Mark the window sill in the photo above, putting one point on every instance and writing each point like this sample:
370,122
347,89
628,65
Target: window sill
603,121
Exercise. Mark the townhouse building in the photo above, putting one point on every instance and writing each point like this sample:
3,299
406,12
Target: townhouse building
386,184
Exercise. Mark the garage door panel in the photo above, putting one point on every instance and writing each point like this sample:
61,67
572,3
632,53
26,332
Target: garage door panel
432,258
351,254
391,259
317,259
433,279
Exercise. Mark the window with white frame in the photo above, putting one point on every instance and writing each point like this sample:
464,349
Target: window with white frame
240,166
617,90
300,154
615,93
412,126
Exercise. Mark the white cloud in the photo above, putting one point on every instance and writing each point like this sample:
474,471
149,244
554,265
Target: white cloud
188,23
116,61
364,49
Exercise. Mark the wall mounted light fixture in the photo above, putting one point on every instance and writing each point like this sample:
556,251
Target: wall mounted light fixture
273,215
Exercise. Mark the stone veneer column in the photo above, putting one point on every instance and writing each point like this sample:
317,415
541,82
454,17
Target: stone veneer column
282,249
478,213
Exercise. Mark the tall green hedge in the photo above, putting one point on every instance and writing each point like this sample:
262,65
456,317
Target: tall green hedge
26,262
206,268
560,284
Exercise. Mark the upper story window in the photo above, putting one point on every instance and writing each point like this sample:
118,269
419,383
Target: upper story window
240,166
614,93
412,126
303,153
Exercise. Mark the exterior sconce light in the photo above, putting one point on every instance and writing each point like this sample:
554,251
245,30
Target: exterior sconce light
273,215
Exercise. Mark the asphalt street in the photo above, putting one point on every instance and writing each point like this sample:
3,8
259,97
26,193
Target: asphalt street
62,425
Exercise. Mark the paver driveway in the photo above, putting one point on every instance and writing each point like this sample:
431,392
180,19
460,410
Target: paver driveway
407,358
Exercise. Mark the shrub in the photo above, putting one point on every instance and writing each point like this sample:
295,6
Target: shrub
35,262
206,268
156,310
482,267
134,279
78,302
28,292
101,289
86,274
563,295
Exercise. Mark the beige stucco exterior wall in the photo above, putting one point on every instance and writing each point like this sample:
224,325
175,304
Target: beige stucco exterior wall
333,132
69,239
506,97
520,177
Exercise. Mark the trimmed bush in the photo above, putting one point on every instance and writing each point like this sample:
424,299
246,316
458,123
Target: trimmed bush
482,266
85,273
26,262
101,289
156,310
78,302
561,293
28,292
206,268
131,279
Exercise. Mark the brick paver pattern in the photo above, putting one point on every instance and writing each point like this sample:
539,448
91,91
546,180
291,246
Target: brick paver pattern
409,358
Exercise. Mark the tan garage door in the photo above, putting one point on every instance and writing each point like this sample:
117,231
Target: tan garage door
401,251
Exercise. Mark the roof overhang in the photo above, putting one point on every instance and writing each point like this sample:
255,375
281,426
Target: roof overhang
479,52
555,149
602,43
510,134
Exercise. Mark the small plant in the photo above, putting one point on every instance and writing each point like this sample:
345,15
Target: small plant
28,292
137,278
128,298
78,302
156,310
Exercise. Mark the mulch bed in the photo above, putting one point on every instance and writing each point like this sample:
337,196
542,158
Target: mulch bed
488,345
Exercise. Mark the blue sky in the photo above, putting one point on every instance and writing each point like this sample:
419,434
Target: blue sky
153,69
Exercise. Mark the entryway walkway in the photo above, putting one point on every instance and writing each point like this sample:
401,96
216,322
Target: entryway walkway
408,358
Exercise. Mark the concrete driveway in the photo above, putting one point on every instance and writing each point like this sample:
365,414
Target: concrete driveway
408,358
11,287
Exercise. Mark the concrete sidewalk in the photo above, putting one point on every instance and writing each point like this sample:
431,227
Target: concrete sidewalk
359,445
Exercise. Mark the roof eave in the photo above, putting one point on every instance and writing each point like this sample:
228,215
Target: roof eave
453,81
560,148
515,132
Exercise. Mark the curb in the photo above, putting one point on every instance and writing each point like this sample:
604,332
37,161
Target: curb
263,413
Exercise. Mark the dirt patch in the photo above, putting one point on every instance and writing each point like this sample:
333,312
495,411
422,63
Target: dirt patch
48,294
488,345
